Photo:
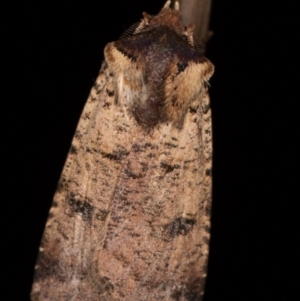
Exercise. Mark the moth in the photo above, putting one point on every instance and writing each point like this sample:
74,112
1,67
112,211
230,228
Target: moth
131,215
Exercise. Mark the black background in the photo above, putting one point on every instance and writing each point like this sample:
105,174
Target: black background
52,53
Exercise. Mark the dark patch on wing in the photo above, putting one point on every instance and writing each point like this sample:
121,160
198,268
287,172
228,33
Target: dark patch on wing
83,207
181,66
208,172
168,167
73,149
132,175
193,110
205,108
118,155
180,226
151,155
78,135
171,145
62,184
110,93
137,148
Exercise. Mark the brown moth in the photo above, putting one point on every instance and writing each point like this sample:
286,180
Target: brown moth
130,218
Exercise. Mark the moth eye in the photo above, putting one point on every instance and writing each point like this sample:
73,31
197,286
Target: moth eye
130,31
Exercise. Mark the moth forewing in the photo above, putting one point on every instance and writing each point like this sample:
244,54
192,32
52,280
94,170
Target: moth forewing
130,219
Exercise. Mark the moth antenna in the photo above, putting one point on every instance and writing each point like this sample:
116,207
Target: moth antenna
176,5
189,33
167,4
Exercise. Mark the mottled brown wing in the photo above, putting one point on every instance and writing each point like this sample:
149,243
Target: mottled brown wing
130,218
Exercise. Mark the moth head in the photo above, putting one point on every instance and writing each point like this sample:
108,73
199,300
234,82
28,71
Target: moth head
159,67
166,17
